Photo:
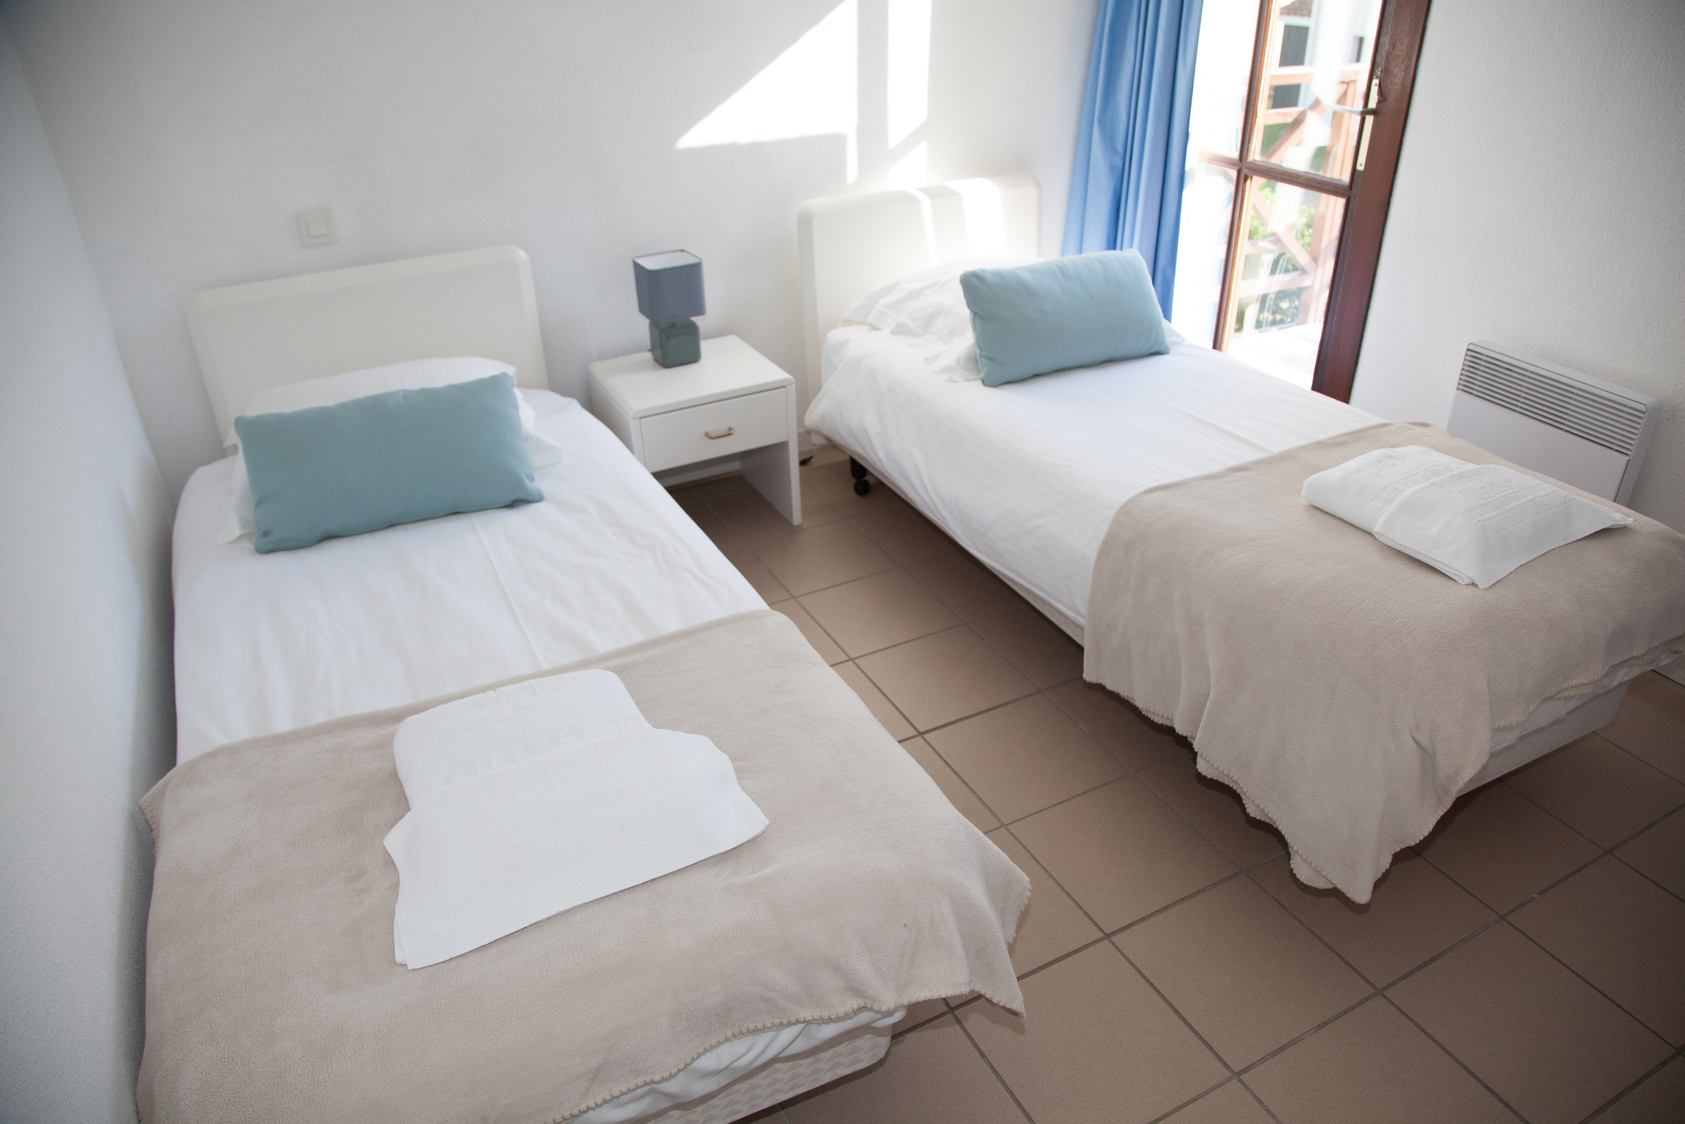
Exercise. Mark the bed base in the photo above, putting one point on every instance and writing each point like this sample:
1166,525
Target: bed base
781,1080
1596,712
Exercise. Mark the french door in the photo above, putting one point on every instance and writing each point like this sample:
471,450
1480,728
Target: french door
1298,115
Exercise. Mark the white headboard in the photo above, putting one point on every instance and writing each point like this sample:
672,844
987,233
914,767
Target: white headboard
852,244
267,333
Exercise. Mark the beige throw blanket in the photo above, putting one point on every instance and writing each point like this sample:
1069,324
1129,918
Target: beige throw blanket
1346,690
271,992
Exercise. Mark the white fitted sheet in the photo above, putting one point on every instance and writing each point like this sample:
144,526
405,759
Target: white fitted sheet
1027,476
270,642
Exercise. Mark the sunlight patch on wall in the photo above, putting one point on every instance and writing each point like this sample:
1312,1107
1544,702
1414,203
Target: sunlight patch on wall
912,169
909,68
808,91
985,215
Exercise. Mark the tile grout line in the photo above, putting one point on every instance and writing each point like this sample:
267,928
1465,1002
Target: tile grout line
1004,1084
1624,1093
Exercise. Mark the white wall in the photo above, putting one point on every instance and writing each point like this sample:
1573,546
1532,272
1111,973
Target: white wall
85,700
1538,204
190,131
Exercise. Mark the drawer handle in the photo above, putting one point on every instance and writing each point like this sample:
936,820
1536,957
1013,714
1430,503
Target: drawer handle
726,432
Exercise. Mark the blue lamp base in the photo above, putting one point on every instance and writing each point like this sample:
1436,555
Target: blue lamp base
675,343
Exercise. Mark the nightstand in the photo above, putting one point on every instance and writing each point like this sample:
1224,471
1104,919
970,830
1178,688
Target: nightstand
733,403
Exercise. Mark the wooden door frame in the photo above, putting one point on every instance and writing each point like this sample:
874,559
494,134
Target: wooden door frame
1398,46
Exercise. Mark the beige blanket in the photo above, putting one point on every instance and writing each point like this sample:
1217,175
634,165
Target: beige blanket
271,994
1346,690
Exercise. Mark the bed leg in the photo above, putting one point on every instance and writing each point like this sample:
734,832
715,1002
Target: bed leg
858,471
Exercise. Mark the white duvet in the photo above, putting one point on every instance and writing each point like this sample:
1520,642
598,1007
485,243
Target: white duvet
270,642
1027,476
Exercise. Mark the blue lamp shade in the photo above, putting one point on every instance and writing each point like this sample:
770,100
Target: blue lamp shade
670,293
669,286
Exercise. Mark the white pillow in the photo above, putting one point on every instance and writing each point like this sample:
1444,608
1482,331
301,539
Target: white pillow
333,389
928,310
1472,522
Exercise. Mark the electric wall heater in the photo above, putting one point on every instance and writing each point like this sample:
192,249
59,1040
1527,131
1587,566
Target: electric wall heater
1578,429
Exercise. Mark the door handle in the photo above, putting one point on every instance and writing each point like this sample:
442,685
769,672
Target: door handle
726,432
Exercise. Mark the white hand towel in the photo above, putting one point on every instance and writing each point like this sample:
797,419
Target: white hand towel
1474,523
461,739
536,798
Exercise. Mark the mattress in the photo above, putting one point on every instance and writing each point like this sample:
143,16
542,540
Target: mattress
1027,476
270,642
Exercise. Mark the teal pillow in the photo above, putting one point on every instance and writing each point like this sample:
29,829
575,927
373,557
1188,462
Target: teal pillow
390,458
1066,312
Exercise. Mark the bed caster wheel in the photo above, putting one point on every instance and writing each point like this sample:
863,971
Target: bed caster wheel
862,486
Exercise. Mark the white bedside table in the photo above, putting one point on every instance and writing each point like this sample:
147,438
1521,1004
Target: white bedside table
734,402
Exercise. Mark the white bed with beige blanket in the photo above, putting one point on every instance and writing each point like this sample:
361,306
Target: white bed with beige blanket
1032,477
271,646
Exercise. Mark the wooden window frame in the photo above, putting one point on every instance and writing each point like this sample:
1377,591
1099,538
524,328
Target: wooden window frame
1398,45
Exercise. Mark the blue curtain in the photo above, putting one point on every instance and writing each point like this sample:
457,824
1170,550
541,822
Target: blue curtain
1126,187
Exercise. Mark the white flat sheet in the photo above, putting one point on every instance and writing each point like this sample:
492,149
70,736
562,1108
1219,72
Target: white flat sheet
270,642
1027,476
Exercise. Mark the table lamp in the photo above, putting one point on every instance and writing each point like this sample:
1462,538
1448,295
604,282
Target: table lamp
670,293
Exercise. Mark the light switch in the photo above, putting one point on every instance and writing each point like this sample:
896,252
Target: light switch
316,227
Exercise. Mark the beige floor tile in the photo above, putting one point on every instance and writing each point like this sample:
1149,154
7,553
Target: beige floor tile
1226,1104
1660,853
833,482
1035,645
943,677
1598,789
1621,932
1025,756
879,611
1121,852
826,454
1372,1065
955,789
1542,1038
1241,970
817,636
931,1076
704,516
882,709
1651,724
1116,725
1051,925
918,1014
750,516
904,534
817,510
759,577
814,558
1659,1100
713,486
1213,808
1096,1045
1502,849
965,585
1415,914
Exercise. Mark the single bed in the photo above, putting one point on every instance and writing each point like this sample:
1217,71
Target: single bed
1029,476
267,644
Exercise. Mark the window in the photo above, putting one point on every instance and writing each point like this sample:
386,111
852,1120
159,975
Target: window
1286,98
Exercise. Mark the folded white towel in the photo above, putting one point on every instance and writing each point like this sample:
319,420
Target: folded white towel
1474,523
461,739
521,808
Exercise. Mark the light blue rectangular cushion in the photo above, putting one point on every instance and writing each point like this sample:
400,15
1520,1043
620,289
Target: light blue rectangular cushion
373,462
1066,312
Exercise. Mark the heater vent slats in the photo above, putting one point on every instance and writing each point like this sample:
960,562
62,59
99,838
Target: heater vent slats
1552,397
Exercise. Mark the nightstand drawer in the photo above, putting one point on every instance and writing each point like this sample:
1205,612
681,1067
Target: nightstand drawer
715,429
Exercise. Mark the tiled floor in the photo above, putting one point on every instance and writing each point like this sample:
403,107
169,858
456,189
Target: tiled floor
1526,960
